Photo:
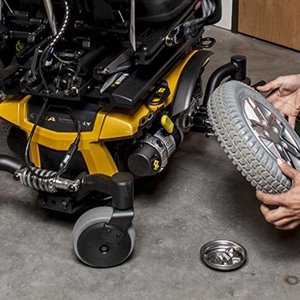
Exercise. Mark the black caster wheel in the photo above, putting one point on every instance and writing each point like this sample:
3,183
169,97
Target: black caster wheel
93,243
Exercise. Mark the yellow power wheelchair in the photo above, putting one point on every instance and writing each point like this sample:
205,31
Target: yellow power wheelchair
97,93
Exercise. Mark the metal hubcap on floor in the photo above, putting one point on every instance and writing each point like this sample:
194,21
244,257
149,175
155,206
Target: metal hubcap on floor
223,255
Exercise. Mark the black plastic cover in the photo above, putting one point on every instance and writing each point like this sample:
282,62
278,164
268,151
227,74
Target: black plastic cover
146,10
160,10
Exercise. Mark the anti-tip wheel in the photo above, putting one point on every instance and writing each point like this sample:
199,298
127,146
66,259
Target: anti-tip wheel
94,247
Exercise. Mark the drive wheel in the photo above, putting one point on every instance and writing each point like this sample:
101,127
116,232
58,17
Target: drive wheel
253,134
93,243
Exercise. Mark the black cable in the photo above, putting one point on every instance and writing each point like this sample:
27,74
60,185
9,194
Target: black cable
74,146
50,48
27,159
70,152
41,70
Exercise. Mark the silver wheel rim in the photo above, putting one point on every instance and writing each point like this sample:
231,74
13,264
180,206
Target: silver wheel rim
273,132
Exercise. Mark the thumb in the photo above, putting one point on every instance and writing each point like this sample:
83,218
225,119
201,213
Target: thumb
286,168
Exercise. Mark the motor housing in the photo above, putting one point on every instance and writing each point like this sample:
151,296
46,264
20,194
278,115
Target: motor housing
153,152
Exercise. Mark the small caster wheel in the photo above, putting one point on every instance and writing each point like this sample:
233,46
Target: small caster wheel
95,247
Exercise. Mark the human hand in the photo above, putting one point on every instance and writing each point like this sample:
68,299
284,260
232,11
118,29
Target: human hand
287,214
285,95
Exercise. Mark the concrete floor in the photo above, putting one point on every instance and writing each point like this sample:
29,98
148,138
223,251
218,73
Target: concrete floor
200,197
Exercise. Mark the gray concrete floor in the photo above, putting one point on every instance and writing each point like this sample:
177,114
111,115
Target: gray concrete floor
200,197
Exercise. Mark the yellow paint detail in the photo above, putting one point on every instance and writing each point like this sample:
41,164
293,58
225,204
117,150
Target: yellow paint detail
120,124
95,154
160,91
156,165
155,100
13,110
99,160
35,155
167,123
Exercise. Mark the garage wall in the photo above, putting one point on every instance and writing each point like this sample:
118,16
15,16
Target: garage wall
226,20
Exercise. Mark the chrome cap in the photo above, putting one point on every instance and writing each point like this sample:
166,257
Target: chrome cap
223,255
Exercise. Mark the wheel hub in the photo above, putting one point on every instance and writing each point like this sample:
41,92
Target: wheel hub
99,250
272,133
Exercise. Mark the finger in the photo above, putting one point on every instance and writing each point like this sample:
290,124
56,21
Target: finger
289,226
278,214
274,99
279,105
292,121
264,210
286,221
264,88
271,199
272,85
286,168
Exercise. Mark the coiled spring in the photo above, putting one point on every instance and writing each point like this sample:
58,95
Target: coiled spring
33,179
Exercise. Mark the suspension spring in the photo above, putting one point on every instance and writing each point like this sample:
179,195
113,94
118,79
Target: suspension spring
37,179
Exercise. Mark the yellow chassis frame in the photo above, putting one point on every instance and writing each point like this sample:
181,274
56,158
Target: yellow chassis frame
108,125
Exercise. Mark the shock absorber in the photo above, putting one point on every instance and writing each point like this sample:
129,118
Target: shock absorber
32,180
37,180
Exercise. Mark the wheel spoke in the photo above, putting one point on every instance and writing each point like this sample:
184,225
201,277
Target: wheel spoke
256,123
267,141
290,148
259,118
284,154
262,131
272,119
257,127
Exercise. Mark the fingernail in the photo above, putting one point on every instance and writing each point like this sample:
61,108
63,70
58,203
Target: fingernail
280,161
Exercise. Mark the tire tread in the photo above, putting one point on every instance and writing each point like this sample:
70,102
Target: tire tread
257,165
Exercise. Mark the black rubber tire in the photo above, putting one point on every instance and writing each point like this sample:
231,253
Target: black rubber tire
244,148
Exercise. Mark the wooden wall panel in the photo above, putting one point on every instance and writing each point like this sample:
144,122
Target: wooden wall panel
277,21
